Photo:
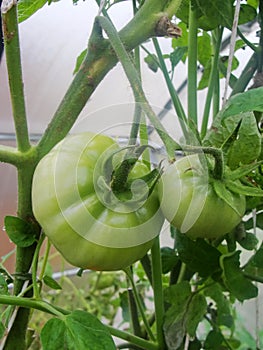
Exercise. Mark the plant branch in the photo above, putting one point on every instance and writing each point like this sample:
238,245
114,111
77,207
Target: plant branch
134,80
9,155
232,49
13,61
139,303
144,344
246,75
100,59
158,291
212,82
192,65
173,94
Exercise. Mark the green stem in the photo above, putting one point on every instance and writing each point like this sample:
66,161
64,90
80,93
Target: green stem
13,61
100,59
254,278
158,291
247,42
139,304
135,323
144,344
134,80
213,79
217,153
260,49
32,304
192,64
35,266
246,75
10,155
173,94
45,260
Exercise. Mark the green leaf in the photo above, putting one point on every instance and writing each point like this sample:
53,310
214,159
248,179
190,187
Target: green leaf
186,310
3,285
78,330
222,192
204,48
53,335
242,171
177,55
247,14
214,340
152,62
234,278
251,100
254,266
214,13
177,294
199,256
183,40
247,146
203,82
223,312
19,231
169,259
124,303
195,313
26,8
50,282
249,241
239,188
79,60
2,330
249,224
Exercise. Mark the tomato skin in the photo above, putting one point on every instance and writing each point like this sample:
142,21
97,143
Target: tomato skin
89,232
190,203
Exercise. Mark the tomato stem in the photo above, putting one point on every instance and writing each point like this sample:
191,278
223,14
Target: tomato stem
158,291
139,303
218,171
135,82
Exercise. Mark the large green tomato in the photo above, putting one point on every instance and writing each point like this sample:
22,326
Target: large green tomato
86,222
190,202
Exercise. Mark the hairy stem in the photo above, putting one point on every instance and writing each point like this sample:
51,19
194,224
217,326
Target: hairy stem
13,61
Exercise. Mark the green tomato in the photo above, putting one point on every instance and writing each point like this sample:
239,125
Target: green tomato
190,203
85,221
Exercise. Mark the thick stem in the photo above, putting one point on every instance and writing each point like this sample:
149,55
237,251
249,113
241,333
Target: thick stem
13,61
99,61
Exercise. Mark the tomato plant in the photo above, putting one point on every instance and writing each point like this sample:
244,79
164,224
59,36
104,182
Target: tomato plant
89,229
99,204
190,202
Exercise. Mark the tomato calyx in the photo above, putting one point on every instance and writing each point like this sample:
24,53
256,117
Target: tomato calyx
115,184
224,180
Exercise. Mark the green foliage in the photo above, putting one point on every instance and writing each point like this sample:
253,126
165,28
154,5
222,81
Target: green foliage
185,312
77,330
19,231
26,8
234,278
